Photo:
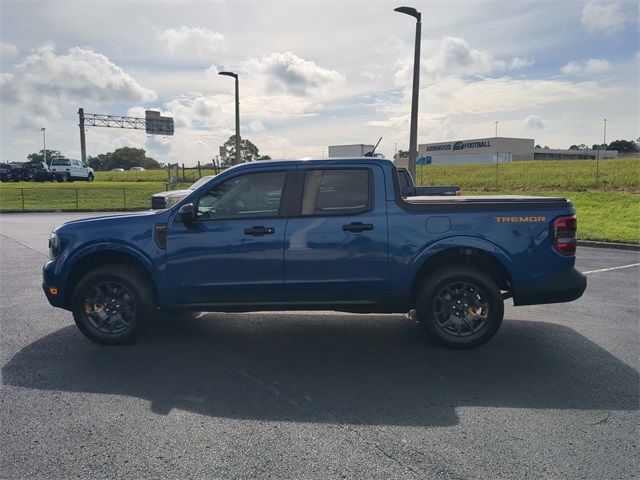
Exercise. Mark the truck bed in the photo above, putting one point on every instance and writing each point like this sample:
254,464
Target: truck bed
486,199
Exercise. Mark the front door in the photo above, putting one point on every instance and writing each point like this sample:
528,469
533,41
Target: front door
336,248
232,253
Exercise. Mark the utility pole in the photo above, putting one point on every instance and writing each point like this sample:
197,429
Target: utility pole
413,133
497,154
235,75
44,144
604,142
83,143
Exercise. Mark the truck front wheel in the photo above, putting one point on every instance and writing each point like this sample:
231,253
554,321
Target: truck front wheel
460,307
113,304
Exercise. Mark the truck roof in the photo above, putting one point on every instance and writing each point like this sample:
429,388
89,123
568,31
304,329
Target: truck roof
318,161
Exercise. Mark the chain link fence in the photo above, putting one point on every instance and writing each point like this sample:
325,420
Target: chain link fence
76,199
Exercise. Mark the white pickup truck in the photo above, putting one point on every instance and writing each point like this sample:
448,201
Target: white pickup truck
67,170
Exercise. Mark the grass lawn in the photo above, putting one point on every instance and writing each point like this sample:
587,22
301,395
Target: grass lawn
572,175
190,175
78,195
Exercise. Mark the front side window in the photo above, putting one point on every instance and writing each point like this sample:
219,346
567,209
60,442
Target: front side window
246,196
336,192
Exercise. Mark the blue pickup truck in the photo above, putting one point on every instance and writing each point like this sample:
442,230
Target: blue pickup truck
317,235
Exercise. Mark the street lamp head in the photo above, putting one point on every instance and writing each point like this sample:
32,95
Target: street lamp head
409,11
43,129
228,74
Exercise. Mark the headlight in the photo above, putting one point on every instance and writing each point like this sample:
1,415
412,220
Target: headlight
54,246
172,200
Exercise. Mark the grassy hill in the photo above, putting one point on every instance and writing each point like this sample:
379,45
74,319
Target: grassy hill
618,174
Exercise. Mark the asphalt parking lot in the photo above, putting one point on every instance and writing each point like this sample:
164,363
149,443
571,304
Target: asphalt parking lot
288,395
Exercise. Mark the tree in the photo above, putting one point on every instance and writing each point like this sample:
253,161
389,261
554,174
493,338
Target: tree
248,151
574,147
38,157
125,157
402,153
623,146
265,157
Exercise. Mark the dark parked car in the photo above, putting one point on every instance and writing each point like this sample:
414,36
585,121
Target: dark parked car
35,172
9,172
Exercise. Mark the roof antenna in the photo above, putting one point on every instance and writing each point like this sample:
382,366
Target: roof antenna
370,154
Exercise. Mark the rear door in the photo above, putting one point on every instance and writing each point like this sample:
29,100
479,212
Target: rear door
336,245
78,170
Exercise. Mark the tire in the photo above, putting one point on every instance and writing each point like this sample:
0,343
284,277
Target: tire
90,177
460,307
118,322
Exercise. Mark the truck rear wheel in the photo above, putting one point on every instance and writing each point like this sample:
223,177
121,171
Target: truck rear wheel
460,307
112,305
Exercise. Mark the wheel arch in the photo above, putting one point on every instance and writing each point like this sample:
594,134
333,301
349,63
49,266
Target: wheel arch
483,259
102,257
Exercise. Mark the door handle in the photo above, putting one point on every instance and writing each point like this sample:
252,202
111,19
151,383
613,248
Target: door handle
357,227
259,231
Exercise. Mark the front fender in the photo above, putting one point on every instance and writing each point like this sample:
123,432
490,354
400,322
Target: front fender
153,265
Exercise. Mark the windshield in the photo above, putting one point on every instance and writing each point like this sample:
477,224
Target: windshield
201,182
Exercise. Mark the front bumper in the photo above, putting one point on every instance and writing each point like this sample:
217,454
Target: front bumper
564,286
51,281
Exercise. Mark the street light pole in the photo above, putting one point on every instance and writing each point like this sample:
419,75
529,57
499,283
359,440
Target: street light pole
604,143
497,154
413,132
44,144
235,75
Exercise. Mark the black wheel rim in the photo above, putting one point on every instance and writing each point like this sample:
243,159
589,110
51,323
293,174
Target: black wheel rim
461,309
110,307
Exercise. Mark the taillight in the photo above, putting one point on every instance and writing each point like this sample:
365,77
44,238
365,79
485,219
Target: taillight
564,234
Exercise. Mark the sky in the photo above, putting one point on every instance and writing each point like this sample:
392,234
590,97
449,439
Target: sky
314,74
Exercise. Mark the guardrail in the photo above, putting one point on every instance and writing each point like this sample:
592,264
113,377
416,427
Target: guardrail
75,199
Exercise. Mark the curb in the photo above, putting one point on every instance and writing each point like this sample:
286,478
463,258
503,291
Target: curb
633,247
81,210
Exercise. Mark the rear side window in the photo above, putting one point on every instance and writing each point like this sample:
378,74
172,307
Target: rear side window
336,192
61,161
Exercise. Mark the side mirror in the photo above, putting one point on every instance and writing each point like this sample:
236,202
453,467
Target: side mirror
187,214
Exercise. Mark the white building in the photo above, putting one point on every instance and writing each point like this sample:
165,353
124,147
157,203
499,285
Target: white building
506,149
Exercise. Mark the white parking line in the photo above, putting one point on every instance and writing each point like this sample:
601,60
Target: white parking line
612,268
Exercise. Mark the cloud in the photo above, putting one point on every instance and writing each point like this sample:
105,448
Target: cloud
159,146
533,122
603,17
449,56
256,126
290,74
8,51
517,62
81,74
593,66
9,92
192,43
